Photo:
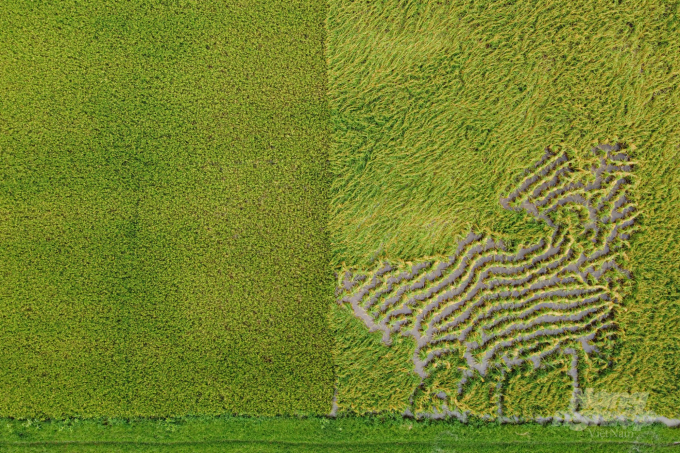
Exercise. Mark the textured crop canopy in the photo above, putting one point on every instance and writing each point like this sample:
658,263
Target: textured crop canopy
499,308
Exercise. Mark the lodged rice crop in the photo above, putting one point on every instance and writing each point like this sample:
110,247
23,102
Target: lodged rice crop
494,309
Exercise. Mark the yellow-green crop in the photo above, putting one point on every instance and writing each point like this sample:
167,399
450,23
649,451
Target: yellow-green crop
163,213
437,107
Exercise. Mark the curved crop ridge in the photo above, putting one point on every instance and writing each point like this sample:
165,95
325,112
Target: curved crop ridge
502,308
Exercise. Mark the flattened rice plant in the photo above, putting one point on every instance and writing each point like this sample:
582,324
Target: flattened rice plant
489,308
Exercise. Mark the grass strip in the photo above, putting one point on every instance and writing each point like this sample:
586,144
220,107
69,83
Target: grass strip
369,433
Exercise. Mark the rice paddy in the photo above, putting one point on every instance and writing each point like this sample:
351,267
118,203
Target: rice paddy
428,221
476,281
163,209
495,309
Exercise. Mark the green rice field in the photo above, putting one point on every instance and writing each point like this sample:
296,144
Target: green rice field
164,209
339,225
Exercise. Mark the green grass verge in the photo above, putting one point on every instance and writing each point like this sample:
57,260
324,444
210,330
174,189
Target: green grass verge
369,434
438,106
163,208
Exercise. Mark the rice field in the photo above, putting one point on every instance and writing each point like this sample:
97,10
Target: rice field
491,310
504,205
369,225
163,209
